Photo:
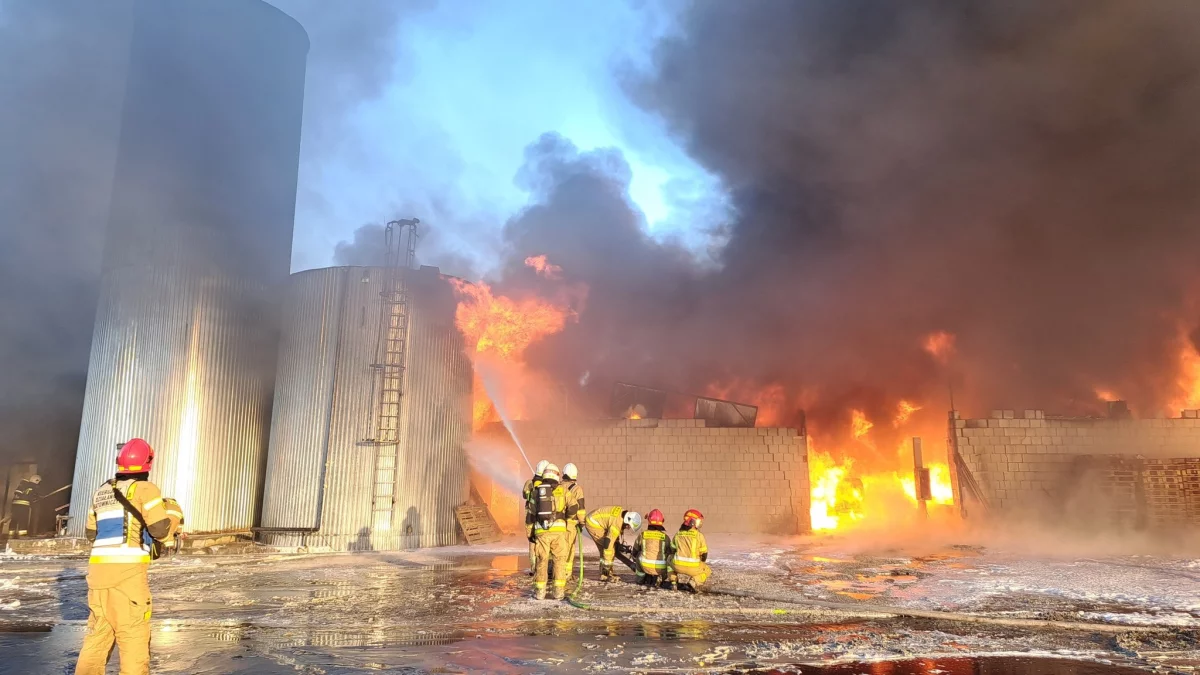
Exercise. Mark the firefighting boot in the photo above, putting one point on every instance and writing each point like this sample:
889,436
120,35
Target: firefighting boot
559,593
606,572
539,594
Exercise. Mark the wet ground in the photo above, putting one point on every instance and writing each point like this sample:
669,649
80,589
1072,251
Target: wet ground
463,610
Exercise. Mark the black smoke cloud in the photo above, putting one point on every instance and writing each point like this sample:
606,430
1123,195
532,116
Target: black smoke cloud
353,56
61,80
1021,174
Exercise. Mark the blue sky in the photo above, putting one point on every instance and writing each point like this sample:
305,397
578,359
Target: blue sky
471,85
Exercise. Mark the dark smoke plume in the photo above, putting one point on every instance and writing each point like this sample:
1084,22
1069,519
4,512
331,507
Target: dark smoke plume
353,56
1020,174
61,80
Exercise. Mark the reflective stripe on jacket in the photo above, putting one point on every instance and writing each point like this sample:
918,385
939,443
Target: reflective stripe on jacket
576,491
689,546
24,493
606,521
120,538
652,547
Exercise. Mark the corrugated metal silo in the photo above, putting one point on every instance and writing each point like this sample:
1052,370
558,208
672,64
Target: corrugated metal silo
197,254
322,471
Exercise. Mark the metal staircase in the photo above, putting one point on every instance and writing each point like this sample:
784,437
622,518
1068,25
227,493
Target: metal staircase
390,353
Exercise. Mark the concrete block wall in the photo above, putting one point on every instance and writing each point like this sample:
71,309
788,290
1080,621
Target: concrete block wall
1023,460
746,480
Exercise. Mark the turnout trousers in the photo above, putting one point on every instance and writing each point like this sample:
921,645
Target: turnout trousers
698,572
551,547
118,615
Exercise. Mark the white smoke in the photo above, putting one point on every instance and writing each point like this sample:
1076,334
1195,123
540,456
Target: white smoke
496,459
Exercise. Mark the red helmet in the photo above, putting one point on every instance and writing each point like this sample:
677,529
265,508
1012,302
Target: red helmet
136,456
693,518
656,517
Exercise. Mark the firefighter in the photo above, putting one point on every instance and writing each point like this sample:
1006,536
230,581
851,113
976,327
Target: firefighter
689,556
605,526
126,521
527,494
22,505
554,505
571,481
651,549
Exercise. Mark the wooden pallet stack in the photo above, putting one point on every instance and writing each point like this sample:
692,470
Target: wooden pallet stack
477,524
1119,479
1190,478
1166,502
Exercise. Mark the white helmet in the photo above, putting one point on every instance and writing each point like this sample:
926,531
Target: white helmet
541,467
571,471
550,472
633,519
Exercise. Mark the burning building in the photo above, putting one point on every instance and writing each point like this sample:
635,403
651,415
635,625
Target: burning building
196,255
916,199
919,198
372,408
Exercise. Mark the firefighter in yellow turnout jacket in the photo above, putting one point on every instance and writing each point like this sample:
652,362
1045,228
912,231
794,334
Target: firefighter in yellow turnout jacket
690,552
22,505
652,549
553,506
123,539
571,482
605,526
527,494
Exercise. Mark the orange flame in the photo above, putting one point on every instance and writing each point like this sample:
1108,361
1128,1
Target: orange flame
940,345
1188,381
500,326
860,426
543,267
498,330
845,494
940,488
905,410
833,499
635,412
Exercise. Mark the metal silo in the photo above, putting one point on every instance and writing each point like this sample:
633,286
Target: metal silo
196,254
327,470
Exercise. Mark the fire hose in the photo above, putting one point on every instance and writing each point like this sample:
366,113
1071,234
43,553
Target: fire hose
621,554
579,583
